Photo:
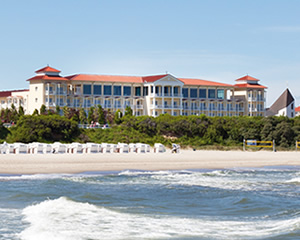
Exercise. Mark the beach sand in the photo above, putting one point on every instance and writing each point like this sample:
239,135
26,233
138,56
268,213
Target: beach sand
186,159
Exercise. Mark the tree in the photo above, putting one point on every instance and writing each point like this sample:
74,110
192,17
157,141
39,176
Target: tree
82,116
3,131
90,117
284,134
128,111
21,111
35,112
14,114
118,117
66,112
100,114
57,110
44,128
43,110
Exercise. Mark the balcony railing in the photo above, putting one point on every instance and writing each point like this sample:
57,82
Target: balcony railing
49,92
139,106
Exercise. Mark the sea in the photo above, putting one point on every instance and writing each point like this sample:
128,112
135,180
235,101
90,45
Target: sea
239,203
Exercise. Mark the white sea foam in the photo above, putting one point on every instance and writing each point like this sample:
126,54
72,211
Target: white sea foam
222,179
33,177
63,219
9,223
294,180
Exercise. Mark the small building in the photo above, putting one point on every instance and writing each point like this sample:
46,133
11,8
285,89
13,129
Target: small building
283,106
18,98
248,90
297,111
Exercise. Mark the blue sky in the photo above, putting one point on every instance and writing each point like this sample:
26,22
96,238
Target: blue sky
207,39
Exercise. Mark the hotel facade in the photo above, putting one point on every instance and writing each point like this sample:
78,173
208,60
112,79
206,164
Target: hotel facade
146,95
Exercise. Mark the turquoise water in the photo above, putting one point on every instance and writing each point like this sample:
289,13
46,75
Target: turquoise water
262,203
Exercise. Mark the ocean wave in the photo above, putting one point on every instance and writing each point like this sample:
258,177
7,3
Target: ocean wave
294,180
32,177
62,219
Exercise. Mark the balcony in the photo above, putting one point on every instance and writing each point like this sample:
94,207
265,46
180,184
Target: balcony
167,106
50,92
51,104
61,92
139,106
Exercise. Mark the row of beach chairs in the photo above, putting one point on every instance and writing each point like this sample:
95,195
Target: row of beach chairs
74,148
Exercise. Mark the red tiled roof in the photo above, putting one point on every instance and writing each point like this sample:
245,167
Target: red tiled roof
247,85
8,93
47,69
247,77
46,77
190,81
105,78
153,78
297,109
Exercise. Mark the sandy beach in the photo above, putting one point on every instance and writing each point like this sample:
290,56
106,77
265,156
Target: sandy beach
186,159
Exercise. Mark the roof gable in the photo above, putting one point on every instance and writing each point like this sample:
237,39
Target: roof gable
283,101
47,69
153,78
247,78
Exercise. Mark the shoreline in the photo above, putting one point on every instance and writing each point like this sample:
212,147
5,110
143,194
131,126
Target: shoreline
105,162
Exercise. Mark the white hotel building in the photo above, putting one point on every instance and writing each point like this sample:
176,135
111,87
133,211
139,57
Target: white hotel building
149,95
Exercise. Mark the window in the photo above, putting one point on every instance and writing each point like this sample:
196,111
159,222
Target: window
193,93
77,90
211,93
292,106
76,102
145,90
166,91
87,89
185,92
202,93
137,91
127,103
107,103
176,91
117,104
127,91
220,93
117,90
97,89
157,91
97,102
36,100
107,90
36,88
151,89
